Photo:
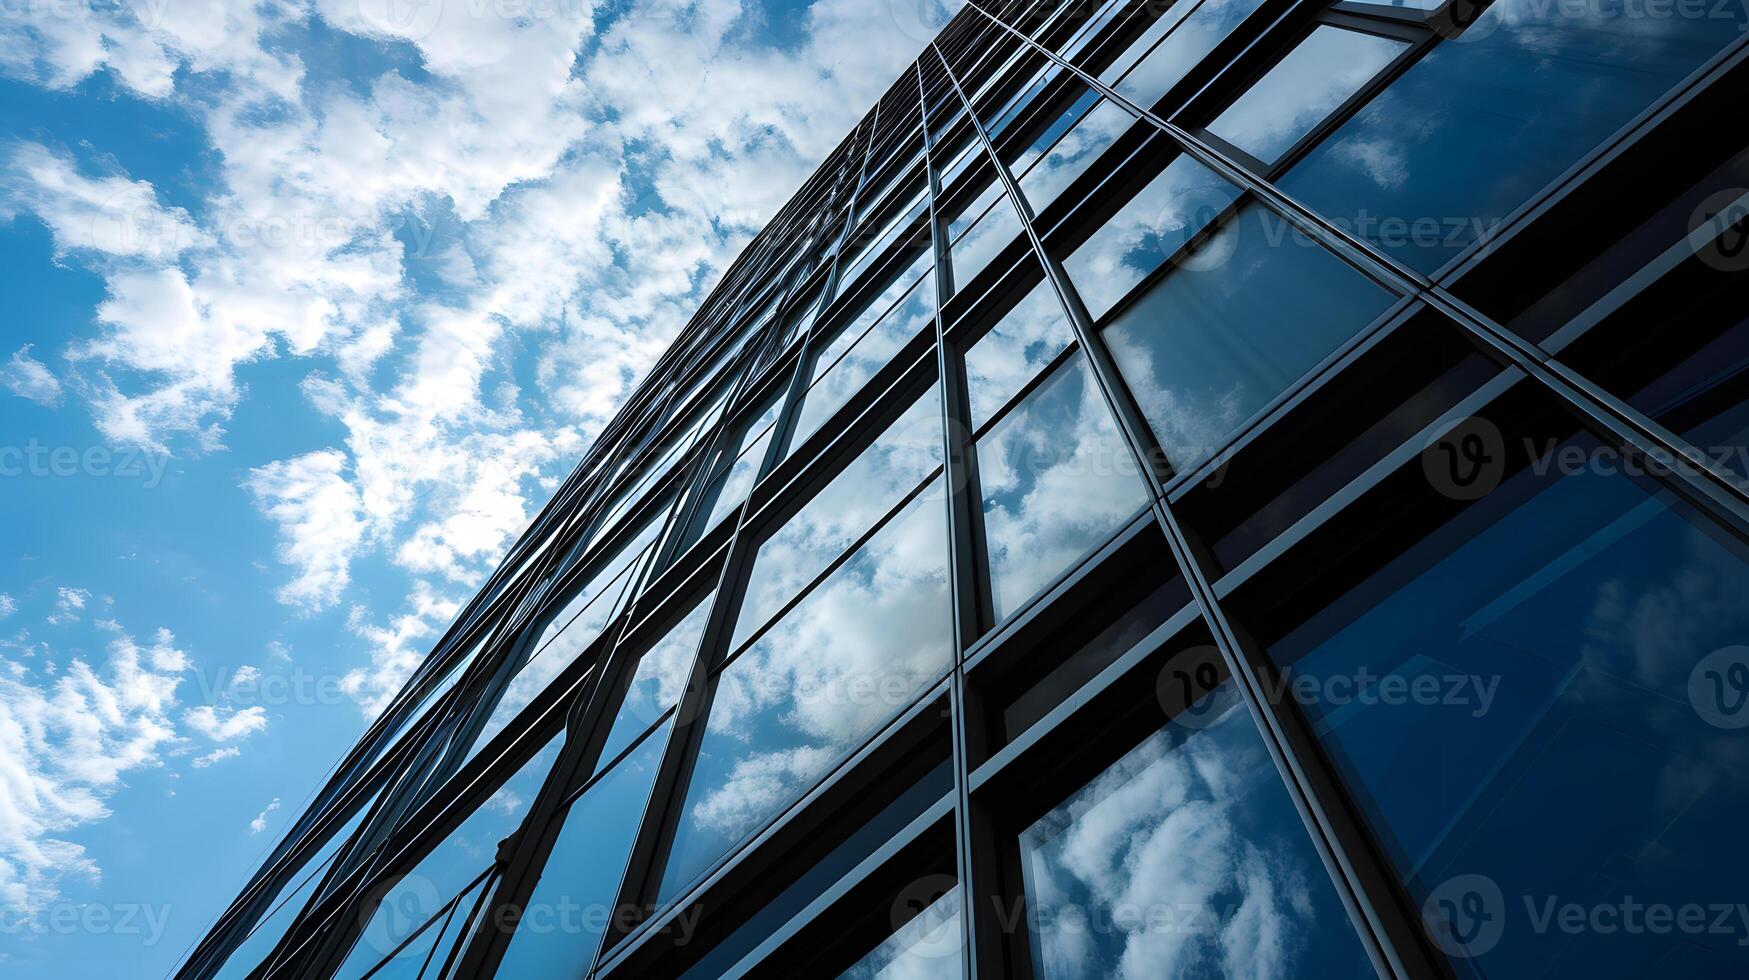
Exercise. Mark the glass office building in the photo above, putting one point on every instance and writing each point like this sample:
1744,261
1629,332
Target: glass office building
1189,488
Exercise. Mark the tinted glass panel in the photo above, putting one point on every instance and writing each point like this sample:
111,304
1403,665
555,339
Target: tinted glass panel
1057,480
842,511
928,946
856,651
1186,859
561,924
1584,746
1015,350
1192,29
450,868
843,378
1073,154
658,681
999,226
1208,345
1316,77
1474,129
1179,202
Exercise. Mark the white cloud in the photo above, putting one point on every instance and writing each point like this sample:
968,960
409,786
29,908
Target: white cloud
224,724
64,747
216,755
112,216
8,605
69,603
259,824
27,377
320,521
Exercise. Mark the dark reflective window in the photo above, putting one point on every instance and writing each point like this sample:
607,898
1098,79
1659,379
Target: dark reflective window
983,241
1186,858
854,652
1190,30
658,681
1057,481
1584,746
560,927
1479,125
1210,344
450,869
857,498
1302,89
849,359
1182,200
1017,348
928,946
1048,174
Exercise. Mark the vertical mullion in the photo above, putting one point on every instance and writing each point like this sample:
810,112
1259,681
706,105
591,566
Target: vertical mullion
1390,937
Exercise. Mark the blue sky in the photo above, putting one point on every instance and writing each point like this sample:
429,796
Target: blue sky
308,308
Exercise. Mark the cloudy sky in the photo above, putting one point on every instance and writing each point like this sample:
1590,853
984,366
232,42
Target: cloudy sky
308,308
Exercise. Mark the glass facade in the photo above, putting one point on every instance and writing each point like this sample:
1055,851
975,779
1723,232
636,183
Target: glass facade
1186,489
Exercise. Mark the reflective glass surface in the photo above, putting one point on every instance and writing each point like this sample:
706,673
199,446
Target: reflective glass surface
1057,481
1209,345
448,869
1073,154
984,240
1295,95
658,681
1015,350
857,650
928,946
1583,749
1179,202
1478,126
1186,858
1191,29
842,511
842,376
561,925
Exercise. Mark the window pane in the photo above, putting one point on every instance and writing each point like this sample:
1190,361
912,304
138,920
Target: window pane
1164,215
845,377
1474,129
842,511
1015,350
857,650
1019,160
561,924
972,210
1192,28
984,241
1585,748
1208,346
1315,78
872,247
1073,154
449,868
1057,481
1186,858
926,947
658,681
